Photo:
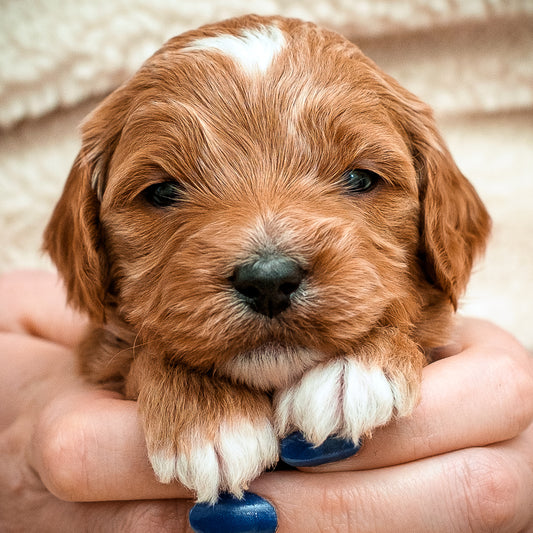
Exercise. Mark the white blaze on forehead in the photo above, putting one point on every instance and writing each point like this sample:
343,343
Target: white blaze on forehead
254,49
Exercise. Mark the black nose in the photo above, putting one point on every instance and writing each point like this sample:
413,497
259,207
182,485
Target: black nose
268,283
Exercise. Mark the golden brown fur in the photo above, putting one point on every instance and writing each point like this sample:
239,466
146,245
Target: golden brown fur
259,160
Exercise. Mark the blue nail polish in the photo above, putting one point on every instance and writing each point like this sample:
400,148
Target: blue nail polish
251,514
296,451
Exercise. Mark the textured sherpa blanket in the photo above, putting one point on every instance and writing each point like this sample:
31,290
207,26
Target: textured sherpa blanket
472,61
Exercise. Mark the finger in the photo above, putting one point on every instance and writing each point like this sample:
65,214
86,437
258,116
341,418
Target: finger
34,303
89,446
474,332
55,516
468,490
25,505
481,396
29,365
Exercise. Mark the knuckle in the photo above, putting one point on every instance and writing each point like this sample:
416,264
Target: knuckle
491,488
60,447
338,513
515,381
161,516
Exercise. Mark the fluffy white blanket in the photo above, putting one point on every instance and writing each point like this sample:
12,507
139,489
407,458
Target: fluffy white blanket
472,61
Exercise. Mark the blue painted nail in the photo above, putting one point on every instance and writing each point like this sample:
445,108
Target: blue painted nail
251,514
296,451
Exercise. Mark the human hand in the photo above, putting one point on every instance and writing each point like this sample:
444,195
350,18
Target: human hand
462,462
73,457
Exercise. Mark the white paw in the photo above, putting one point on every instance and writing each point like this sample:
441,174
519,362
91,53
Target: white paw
343,397
237,455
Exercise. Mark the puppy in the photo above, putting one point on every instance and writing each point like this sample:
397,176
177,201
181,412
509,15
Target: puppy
269,235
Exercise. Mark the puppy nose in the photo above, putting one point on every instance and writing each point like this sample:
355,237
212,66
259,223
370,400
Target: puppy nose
268,283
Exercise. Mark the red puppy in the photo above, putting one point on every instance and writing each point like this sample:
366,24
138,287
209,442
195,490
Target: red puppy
268,234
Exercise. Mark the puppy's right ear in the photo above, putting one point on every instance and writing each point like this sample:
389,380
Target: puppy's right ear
74,236
74,241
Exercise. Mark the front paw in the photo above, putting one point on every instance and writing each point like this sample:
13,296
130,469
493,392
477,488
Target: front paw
343,397
237,452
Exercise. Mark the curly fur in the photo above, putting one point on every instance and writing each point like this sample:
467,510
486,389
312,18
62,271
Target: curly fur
259,155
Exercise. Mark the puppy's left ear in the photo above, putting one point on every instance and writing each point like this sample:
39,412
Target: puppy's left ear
455,225
454,222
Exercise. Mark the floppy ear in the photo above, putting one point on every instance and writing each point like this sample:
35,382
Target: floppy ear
74,237
74,241
454,222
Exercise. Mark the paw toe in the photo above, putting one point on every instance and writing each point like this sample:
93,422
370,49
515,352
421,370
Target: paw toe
244,451
368,399
238,454
197,470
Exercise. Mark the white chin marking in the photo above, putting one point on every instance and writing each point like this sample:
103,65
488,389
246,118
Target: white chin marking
239,453
253,50
342,397
271,366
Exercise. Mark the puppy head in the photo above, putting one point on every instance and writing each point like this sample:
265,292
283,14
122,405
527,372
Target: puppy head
263,145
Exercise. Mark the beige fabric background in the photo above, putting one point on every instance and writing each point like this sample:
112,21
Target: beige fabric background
471,60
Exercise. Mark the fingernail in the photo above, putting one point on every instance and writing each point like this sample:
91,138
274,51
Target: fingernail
296,451
251,514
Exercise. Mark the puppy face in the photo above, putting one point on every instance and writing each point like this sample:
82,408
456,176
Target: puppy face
253,214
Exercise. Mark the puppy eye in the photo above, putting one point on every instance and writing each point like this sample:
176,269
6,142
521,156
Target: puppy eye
360,180
163,194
